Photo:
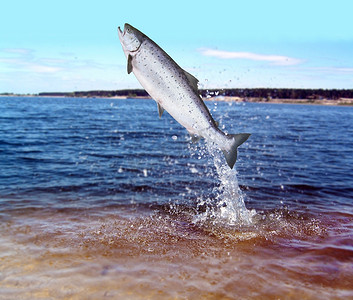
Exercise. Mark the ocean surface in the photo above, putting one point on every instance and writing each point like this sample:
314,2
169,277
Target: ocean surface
101,199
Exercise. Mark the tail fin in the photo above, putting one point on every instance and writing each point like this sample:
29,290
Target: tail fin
231,155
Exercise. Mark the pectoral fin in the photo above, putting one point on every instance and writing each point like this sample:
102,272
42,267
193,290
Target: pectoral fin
129,64
160,110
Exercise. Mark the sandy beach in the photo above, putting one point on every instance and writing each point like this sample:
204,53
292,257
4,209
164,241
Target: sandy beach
340,101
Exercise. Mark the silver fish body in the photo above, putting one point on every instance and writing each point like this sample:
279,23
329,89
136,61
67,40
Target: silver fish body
174,90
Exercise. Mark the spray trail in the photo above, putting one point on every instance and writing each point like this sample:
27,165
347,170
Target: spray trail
228,206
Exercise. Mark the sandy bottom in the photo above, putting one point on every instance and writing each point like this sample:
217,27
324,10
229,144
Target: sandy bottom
161,253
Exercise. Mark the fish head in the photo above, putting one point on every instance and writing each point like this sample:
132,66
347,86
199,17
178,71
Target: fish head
131,38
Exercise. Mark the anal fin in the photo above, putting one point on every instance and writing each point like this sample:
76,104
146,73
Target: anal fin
195,138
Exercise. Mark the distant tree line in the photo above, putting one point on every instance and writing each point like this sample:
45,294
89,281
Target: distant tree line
264,93
100,93
279,93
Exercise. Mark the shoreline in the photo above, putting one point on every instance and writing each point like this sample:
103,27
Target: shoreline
327,102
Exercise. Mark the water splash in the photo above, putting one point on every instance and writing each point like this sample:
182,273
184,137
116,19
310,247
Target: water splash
228,206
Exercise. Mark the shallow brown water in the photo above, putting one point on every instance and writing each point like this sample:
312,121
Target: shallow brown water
156,253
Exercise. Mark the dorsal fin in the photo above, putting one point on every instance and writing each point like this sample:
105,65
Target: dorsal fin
193,80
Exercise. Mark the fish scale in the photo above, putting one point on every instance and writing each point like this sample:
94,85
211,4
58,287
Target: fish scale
174,90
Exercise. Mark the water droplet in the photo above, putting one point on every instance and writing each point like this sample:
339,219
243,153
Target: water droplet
193,170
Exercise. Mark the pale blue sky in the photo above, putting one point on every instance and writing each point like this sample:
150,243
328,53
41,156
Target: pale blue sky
73,45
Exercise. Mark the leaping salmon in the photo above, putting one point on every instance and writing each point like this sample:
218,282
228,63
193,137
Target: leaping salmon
174,90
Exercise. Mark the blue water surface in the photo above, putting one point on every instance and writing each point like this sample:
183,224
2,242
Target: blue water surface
70,152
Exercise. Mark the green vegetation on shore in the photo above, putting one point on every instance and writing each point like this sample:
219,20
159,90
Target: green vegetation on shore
264,93
329,96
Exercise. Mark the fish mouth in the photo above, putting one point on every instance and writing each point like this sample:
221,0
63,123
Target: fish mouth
120,32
